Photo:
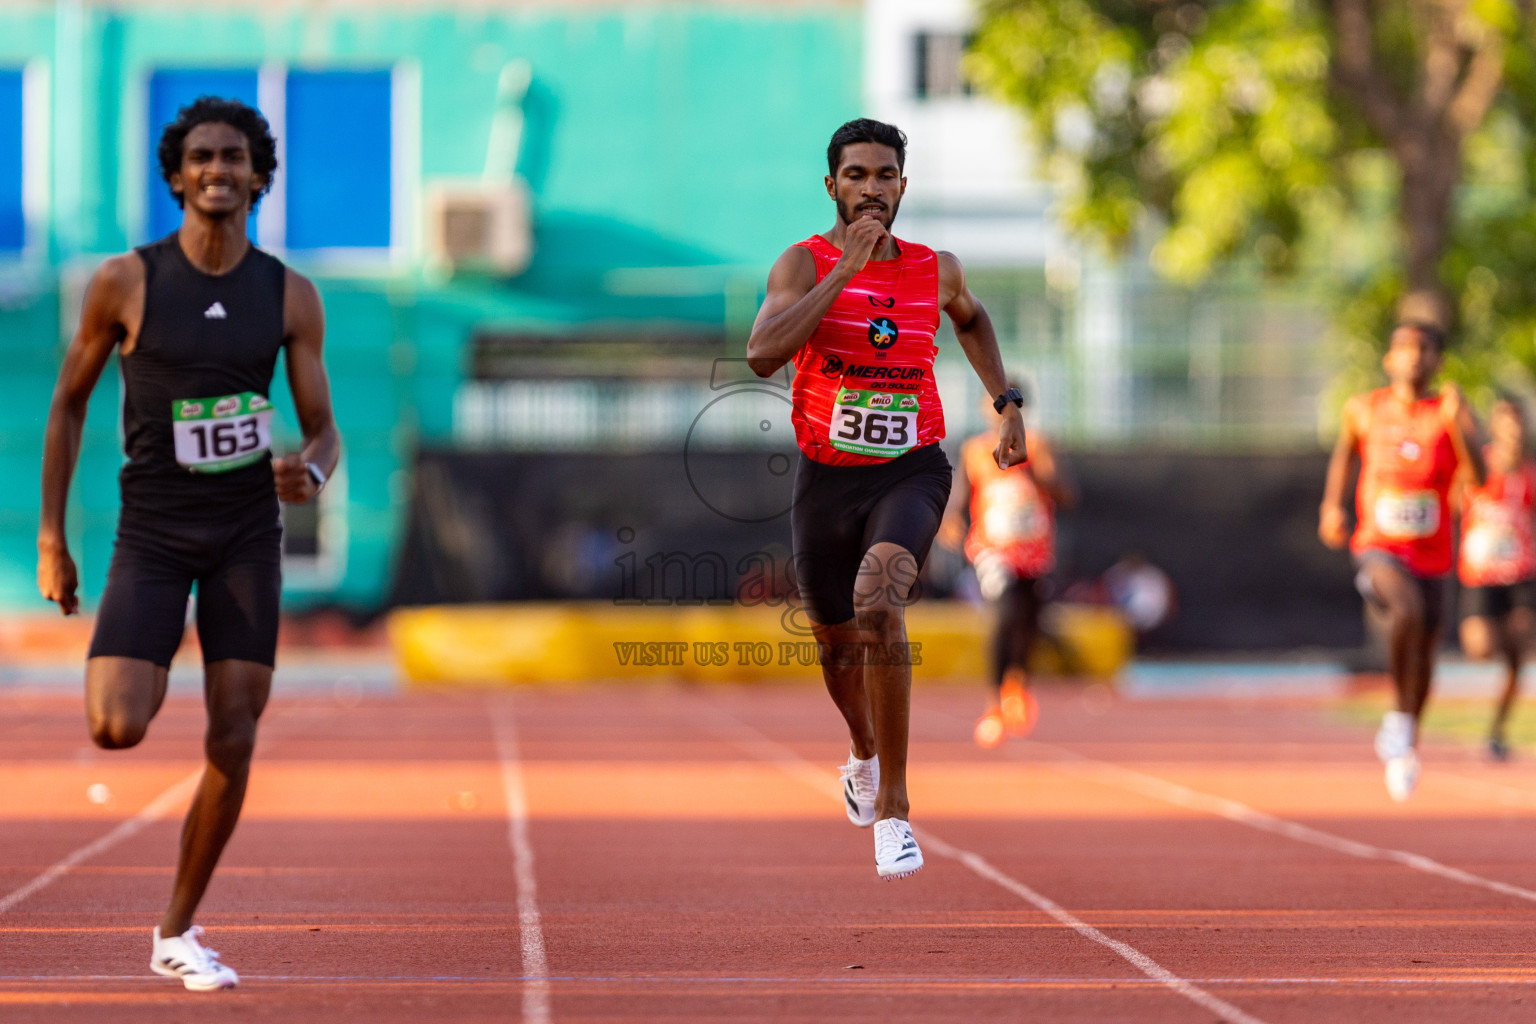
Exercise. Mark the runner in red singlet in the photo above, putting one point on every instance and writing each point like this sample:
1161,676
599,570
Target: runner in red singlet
856,309
1012,543
1497,566
1410,444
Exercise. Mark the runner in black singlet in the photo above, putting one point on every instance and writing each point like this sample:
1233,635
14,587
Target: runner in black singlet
198,319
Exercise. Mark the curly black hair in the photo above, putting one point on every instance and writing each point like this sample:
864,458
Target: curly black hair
214,109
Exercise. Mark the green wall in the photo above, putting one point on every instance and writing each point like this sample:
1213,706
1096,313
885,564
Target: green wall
657,136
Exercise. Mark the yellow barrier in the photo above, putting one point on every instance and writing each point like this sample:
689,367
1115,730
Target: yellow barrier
498,645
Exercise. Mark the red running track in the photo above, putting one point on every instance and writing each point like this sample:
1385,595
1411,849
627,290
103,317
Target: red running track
673,854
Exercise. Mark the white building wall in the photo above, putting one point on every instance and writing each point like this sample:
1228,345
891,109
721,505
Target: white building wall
972,186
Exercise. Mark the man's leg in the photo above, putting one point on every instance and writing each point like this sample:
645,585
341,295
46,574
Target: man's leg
1479,636
236,693
122,696
1513,635
1432,597
880,599
844,678
1408,653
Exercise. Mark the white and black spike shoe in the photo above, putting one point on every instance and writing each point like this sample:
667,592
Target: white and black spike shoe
861,781
896,852
183,956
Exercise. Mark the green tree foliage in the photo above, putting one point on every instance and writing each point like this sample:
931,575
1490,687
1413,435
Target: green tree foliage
1384,147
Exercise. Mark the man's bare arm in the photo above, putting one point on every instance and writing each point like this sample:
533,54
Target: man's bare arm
1051,475
1466,436
305,319
796,301
1332,521
952,525
973,329
116,284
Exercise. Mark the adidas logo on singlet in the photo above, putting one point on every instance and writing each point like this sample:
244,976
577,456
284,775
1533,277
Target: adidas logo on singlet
215,312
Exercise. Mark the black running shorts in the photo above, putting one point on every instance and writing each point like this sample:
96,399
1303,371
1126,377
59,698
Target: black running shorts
236,564
1431,588
840,512
1497,601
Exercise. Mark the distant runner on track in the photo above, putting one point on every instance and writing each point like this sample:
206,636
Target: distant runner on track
1411,444
1497,563
856,309
197,319
1011,541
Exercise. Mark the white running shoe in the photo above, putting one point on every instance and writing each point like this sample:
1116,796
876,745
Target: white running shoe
1395,737
861,781
183,956
1403,775
896,852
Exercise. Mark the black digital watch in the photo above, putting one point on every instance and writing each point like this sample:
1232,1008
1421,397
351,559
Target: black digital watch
1013,395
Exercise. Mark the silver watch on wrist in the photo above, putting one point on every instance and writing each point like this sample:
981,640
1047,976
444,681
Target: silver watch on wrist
317,475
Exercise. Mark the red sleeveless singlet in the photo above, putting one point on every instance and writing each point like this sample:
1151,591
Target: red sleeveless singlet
1402,502
864,391
1012,518
1497,547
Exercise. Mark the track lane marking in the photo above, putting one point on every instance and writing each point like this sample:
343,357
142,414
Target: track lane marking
536,1003
764,748
1179,795
155,810
873,980
170,799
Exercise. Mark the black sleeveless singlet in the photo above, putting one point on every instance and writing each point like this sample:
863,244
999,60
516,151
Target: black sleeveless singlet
202,336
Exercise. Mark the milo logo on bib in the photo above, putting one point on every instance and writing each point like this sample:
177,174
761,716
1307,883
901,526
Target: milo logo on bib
216,435
878,423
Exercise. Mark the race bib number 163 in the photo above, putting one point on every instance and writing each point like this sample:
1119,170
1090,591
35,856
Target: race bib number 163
879,423
216,435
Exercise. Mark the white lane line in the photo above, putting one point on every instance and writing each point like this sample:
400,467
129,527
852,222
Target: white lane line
1182,796
157,808
530,926
763,748
873,981
1143,963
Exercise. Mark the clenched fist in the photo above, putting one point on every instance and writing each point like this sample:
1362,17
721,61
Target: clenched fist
862,238
294,484
57,579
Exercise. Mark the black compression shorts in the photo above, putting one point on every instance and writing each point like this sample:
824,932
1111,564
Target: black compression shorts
840,512
1497,601
236,564
1431,588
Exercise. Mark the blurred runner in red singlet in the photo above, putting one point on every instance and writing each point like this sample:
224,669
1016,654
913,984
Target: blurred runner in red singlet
1012,543
1497,566
1410,443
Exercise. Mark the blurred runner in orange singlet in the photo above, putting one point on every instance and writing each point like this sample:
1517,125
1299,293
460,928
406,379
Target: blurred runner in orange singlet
1410,443
1011,541
1497,565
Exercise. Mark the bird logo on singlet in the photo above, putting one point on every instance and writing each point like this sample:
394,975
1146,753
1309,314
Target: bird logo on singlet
882,333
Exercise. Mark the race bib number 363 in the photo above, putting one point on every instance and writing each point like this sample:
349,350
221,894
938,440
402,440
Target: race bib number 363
879,423
1407,515
216,435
